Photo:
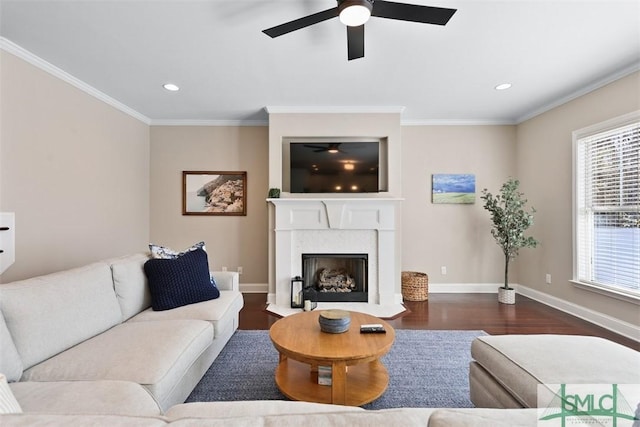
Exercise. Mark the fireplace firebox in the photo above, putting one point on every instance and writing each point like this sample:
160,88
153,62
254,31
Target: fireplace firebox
337,277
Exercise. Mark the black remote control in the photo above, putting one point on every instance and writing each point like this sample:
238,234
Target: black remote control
372,329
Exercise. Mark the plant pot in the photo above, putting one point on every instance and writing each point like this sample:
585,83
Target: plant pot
506,296
274,193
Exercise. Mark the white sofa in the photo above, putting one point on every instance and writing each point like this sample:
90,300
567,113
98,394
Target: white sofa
82,347
86,340
286,414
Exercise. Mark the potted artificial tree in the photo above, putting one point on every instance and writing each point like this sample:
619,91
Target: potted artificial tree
510,221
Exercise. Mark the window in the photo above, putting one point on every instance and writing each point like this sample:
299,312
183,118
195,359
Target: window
607,207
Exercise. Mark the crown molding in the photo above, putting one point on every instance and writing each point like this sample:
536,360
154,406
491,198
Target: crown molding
363,109
461,122
20,52
170,122
581,92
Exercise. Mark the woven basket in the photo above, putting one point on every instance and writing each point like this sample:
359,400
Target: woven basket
415,286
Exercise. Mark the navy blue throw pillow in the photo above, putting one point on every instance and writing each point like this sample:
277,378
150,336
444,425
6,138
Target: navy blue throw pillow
180,281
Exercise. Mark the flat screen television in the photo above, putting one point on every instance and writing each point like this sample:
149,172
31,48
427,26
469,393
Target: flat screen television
336,166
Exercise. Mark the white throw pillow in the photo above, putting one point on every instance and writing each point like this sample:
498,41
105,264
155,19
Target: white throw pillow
8,402
164,252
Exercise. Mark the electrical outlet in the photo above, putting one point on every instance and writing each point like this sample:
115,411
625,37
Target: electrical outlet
548,278
443,270
239,270
224,268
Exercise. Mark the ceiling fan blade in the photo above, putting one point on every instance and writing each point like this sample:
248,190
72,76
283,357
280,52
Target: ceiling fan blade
412,12
355,42
300,23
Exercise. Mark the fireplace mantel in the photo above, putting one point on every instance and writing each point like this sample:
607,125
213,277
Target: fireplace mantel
347,225
336,214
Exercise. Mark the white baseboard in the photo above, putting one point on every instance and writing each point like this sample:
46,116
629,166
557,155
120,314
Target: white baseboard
616,325
464,288
254,288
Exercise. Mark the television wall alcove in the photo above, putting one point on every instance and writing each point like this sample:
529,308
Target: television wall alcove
334,165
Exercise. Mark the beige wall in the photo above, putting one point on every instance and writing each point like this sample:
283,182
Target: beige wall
544,163
231,241
454,236
73,169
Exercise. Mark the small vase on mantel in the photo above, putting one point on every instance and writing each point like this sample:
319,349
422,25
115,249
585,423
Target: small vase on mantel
506,295
274,193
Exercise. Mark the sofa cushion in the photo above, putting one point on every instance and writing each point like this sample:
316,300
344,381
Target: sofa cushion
154,354
214,311
85,397
55,420
480,417
130,284
180,281
51,313
520,362
8,402
251,408
355,418
10,363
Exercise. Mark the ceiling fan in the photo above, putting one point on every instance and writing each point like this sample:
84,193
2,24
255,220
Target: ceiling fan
333,147
354,14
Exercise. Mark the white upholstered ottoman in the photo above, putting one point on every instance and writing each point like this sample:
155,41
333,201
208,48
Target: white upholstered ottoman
507,369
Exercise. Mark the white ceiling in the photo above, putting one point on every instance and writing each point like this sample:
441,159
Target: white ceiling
228,70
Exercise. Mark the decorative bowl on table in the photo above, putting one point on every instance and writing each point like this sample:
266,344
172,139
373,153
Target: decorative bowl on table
334,321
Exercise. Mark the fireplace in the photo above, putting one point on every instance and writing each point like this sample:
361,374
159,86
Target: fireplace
337,277
336,226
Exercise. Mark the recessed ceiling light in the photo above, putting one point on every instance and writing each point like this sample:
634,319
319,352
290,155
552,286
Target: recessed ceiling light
171,87
503,86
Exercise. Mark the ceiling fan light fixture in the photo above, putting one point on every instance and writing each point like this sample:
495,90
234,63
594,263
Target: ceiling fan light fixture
354,13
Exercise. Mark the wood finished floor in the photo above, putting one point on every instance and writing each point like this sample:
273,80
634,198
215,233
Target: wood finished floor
464,312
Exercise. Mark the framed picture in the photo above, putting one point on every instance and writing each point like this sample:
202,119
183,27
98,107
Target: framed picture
453,188
214,193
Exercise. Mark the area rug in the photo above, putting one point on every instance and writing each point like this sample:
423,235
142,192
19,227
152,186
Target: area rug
428,369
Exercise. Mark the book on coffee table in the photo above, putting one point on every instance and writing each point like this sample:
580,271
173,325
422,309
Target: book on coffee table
324,375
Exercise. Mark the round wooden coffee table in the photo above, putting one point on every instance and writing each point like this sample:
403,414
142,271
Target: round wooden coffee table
358,376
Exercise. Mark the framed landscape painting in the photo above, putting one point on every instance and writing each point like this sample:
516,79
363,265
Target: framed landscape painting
214,193
453,188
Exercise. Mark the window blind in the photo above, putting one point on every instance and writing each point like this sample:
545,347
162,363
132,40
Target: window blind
608,208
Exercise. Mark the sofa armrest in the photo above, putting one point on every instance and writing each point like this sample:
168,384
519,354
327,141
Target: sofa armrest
227,280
